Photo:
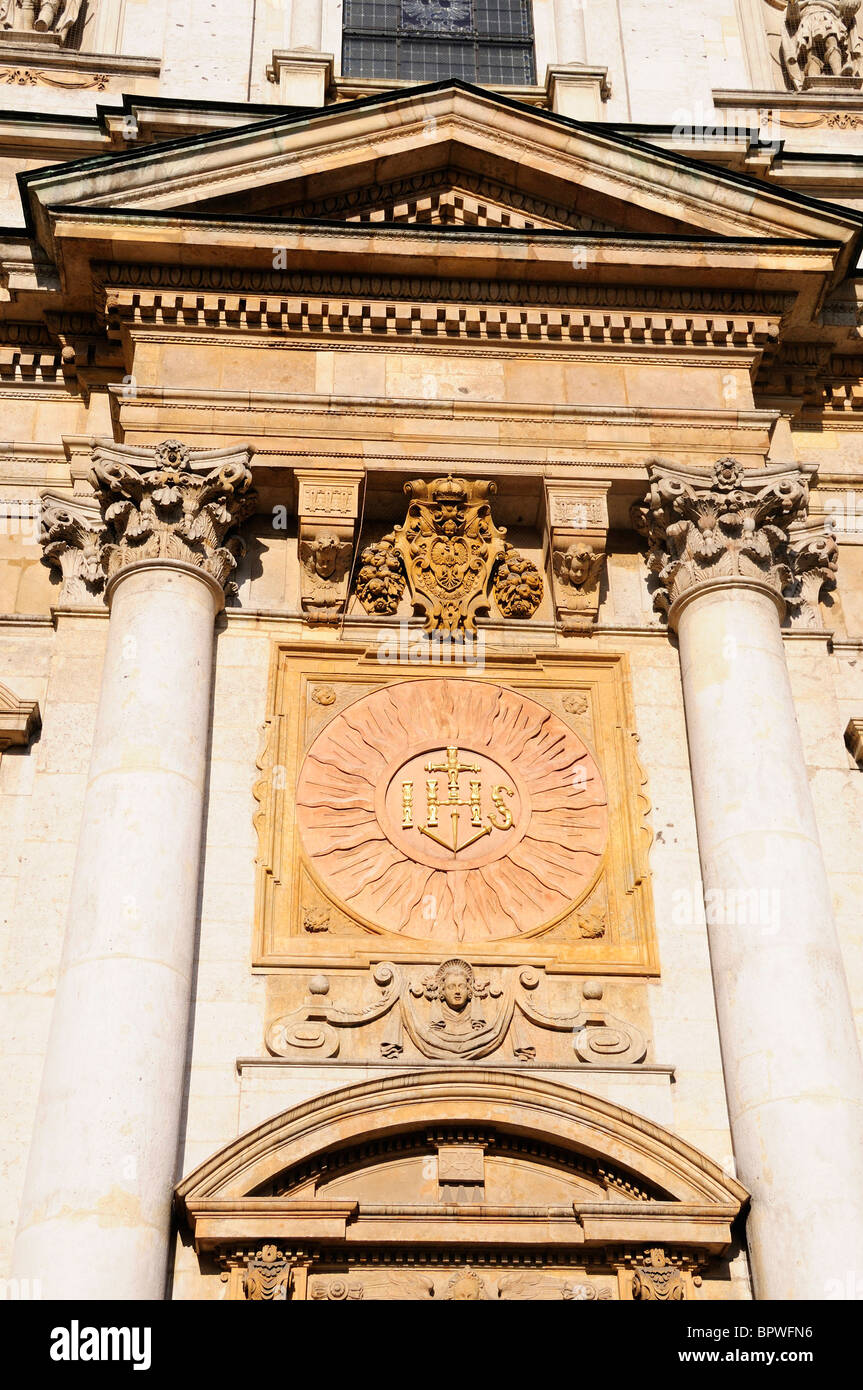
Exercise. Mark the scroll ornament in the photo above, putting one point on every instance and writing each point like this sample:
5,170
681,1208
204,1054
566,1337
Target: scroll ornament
452,1014
452,557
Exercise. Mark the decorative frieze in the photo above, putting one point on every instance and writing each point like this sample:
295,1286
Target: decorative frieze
452,557
728,523
453,1013
170,503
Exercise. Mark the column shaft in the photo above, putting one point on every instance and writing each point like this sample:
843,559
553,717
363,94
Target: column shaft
96,1209
792,1064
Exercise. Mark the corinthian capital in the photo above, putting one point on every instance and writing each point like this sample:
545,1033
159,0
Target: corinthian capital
169,503
728,523
73,536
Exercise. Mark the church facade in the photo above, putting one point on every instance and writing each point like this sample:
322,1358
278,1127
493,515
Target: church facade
431,634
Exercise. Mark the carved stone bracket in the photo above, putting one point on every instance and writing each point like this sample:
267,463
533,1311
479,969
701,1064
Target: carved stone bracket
453,1014
327,509
171,503
452,557
728,523
19,720
577,531
73,536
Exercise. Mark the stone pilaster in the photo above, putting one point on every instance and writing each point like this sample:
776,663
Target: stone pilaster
720,548
96,1210
328,513
576,536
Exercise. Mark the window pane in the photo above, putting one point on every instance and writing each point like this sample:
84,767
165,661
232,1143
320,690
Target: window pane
506,65
436,16
369,57
379,16
421,61
503,19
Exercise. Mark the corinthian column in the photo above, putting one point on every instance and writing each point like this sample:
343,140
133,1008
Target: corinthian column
793,1071
96,1209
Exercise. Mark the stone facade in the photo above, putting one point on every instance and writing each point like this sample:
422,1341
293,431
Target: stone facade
431,609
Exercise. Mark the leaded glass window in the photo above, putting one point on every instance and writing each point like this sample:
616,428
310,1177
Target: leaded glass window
486,41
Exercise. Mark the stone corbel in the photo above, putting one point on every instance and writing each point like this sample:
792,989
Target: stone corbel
577,532
854,739
654,1276
19,720
302,76
327,516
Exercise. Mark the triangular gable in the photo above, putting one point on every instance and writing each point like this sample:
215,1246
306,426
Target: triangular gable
464,141
445,197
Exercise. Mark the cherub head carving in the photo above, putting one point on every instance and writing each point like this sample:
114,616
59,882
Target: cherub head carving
455,984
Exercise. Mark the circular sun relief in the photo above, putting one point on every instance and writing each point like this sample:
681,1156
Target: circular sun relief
452,809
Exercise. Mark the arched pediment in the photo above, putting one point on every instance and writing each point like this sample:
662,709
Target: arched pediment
445,1157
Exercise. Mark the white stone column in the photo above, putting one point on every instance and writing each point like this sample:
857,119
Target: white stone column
792,1063
96,1212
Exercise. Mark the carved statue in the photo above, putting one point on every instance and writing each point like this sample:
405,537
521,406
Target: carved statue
451,554
53,17
820,39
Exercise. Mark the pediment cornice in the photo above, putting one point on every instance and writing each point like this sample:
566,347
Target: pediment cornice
301,160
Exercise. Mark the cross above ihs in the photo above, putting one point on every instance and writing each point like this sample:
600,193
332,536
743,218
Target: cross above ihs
454,767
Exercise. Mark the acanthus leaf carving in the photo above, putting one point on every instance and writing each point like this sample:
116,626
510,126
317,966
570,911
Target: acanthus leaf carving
73,536
813,557
657,1280
173,503
728,523
267,1275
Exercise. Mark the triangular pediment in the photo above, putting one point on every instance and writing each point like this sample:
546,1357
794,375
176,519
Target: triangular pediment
446,197
448,155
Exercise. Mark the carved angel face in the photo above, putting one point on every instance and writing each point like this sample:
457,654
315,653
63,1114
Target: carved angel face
455,988
326,555
451,517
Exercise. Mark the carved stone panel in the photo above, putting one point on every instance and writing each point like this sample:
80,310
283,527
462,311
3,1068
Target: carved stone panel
452,811
411,814
455,1013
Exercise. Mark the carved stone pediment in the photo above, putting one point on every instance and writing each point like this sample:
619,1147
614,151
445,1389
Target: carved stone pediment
377,1191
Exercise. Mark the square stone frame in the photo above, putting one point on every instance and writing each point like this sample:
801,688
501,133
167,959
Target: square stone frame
287,886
